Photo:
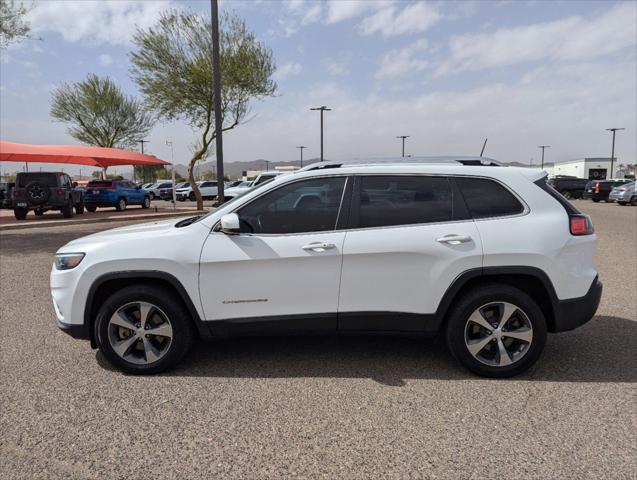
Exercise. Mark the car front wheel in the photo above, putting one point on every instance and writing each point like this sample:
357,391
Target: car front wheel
496,331
146,202
143,330
120,206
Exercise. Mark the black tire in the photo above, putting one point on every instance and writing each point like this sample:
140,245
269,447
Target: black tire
622,203
474,299
183,333
596,200
566,194
79,208
192,197
633,201
67,210
120,206
20,213
90,208
38,212
37,193
146,202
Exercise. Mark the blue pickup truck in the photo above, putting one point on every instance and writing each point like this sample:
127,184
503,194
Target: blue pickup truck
114,193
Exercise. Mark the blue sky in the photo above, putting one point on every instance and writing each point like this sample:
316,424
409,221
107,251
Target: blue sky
447,73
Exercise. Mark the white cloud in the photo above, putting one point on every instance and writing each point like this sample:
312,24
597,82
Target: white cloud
403,62
340,10
97,23
336,68
105,60
287,70
391,21
573,38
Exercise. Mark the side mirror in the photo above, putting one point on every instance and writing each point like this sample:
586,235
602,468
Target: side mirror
230,224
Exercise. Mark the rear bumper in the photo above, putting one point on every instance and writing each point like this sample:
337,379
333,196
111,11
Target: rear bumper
572,313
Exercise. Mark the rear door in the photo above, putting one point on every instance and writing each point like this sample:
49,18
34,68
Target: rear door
409,237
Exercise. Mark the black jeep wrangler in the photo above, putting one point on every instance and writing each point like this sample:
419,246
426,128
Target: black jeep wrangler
42,191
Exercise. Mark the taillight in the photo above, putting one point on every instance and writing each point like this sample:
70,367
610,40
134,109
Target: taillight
581,225
60,192
597,187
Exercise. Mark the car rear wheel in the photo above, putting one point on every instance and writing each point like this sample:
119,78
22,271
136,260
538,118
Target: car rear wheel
67,210
566,194
143,329
496,331
146,202
120,206
20,213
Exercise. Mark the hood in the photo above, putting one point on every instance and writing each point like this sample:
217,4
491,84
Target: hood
151,230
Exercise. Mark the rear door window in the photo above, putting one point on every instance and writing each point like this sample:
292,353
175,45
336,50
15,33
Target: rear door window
487,198
402,200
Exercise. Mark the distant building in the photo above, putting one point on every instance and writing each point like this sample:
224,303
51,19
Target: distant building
591,168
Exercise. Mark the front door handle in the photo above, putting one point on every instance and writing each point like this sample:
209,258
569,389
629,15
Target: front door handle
318,246
453,239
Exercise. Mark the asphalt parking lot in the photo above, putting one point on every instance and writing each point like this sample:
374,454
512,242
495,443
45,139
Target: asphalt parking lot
316,407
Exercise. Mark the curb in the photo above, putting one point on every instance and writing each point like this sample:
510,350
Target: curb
119,218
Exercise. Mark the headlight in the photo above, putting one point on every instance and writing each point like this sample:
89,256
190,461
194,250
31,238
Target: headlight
67,261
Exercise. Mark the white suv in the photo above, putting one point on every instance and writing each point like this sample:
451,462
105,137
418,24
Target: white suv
490,255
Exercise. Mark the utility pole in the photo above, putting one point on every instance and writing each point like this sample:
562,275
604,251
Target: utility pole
612,151
301,147
267,163
543,147
322,109
142,141
403,138
172,161
216,72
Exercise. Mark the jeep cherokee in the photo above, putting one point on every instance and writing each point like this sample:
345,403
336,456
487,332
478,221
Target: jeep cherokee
491,256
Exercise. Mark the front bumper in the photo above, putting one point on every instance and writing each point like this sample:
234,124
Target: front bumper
575,312
75,331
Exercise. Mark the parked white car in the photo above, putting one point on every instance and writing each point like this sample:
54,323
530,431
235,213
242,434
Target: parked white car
264,177
207,188
490,255
155,188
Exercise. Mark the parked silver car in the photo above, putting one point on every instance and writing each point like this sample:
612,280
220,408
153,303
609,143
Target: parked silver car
624,194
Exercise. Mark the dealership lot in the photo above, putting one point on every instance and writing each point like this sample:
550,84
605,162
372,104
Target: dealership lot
349,407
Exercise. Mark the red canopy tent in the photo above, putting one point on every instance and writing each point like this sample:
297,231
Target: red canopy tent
74,154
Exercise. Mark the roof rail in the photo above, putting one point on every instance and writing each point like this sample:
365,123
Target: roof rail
463,160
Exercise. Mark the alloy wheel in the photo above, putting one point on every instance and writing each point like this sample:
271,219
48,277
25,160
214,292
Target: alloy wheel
140,333
498,334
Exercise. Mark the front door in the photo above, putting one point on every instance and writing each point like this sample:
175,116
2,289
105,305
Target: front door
283,271
410,237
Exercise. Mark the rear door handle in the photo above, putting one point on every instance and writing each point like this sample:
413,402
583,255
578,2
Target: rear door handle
318,246
453,239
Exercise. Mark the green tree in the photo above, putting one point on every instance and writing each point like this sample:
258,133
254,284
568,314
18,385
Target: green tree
100,114
13,26
172,66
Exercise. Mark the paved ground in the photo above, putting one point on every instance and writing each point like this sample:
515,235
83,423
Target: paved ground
158,207
303,407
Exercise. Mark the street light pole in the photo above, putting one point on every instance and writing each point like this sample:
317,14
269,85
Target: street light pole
322,109
172,161
612,151
142,141
267,167
403,138
543,147
301,147
216,73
